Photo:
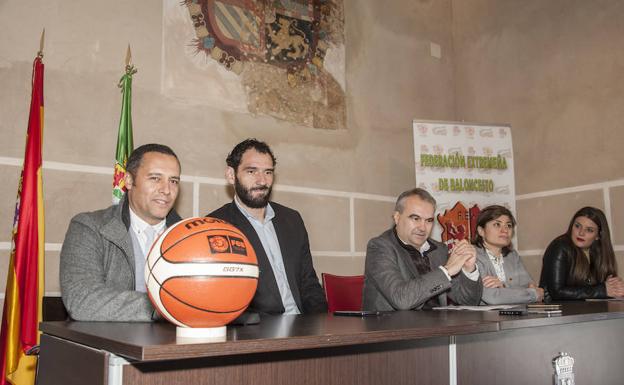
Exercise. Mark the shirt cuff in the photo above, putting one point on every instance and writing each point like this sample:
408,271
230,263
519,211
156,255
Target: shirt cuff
474,276
532,294
445,272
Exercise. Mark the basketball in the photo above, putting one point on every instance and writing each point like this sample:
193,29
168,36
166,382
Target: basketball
201,273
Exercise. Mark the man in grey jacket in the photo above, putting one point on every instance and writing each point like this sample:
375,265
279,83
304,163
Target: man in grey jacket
405,269
103,255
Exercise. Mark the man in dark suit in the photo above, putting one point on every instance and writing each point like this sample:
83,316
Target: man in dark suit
288,283
405,269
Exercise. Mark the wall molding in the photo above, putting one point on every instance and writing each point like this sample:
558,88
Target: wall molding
601,186
573,189
73,167
197,181
540,252
47,294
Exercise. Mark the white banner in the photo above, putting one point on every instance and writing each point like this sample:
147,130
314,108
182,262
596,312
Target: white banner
465,167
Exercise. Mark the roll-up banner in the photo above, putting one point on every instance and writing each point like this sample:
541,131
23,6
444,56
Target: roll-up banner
466,167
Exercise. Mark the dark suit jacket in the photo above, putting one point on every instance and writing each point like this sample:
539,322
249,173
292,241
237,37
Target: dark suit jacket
293,240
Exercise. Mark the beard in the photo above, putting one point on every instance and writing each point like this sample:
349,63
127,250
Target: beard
246,195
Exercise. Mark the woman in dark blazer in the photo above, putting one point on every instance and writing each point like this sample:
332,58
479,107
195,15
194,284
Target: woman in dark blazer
581,264
505,279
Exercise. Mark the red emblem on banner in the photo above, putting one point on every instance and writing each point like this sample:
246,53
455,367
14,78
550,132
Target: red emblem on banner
459,223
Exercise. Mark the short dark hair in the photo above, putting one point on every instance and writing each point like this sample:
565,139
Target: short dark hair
234,157
134,161
419,192
488,214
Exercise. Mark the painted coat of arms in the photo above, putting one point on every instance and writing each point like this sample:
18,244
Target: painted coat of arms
289,54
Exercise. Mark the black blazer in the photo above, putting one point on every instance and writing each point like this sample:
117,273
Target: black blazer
295,247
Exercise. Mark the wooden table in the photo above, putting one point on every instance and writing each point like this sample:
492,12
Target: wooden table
408,347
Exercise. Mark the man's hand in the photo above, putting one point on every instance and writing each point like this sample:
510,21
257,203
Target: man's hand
471,263
463,255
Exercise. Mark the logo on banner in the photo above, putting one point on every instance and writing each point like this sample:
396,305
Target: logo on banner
486,133
459,223
440,130
422,129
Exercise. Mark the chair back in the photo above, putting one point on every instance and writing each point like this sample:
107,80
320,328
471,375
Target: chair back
343,292
53,309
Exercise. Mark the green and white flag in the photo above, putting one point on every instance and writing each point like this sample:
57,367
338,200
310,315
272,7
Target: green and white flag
124,136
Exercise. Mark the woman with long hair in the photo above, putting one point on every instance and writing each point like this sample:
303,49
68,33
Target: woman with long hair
581,264
505,279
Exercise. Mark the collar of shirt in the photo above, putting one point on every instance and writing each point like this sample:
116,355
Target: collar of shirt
423,249
496,260
269,213
139,225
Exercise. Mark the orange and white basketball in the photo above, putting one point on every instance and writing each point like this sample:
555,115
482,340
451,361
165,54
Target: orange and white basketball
201,273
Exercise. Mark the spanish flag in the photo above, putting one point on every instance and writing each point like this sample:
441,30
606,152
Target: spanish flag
24,290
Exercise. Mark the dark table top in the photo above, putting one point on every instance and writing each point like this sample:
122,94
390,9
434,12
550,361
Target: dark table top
157,341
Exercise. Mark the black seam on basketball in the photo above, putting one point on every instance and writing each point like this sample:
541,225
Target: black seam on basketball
195,307
207,262
161,256
151,268
206,276
203,276
217,276
162,312
190,235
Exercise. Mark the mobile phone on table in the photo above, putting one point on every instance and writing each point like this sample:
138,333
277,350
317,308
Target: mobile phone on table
357,313
545,312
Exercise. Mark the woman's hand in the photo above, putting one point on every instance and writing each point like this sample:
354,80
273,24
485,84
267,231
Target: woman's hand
492,282
538,291
615,286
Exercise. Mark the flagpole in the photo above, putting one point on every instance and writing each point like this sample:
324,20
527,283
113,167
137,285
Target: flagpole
128,57
125,143
25,285
41,43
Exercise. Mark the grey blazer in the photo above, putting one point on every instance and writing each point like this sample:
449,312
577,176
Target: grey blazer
392,281
516,290
97,268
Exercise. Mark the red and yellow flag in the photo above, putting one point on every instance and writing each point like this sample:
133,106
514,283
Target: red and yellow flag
24,290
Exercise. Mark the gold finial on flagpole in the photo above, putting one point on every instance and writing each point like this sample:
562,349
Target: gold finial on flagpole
130,70
129,66
40,53
128,56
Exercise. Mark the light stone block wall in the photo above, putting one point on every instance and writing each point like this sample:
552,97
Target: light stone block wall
550,69
553,71
388,68
542,216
